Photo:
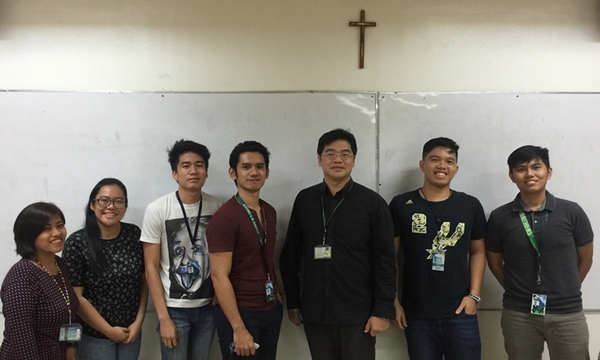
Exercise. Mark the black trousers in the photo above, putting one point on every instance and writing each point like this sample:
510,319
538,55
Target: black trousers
339,342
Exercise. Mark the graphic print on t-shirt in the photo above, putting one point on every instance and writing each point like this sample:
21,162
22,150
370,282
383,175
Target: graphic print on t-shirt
188,262
441,240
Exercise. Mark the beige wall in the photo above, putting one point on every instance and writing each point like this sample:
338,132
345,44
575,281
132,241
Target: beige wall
252,45
270,45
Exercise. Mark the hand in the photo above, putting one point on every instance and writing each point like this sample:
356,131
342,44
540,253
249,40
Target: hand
118,334
467,304
243,342
375,325
168,333
295,317
134,331
71,354
400,320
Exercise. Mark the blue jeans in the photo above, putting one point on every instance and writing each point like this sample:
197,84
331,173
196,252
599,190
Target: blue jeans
264,326
453,338
93,348
195,332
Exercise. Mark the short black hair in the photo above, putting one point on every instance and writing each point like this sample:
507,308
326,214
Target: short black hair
30,223
440,142
247,146
337,134
183,146
525,154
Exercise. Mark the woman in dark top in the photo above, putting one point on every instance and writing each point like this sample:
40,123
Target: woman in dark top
37,297
105,262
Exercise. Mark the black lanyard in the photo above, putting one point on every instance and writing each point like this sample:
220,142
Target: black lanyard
262,240
326,221
437,218
187,222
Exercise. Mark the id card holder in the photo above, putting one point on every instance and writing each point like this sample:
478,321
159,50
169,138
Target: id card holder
322,251
538,304
270,290
70,332
439,259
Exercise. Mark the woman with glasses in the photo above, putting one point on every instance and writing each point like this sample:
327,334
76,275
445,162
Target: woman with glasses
105,261
38,302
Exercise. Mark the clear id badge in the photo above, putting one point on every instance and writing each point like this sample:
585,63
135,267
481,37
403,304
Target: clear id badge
322,251
439,259
70,332
270,291
538,304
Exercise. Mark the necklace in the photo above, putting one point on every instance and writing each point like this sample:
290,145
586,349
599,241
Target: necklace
65,293
437,218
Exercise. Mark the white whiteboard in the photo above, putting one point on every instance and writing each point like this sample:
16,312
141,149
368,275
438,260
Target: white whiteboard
488,127
56,146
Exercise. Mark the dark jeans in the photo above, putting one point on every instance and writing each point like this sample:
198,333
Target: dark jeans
453,338
264,326
339,342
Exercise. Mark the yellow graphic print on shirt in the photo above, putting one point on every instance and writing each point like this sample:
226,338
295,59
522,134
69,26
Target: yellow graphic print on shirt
419,222
441,240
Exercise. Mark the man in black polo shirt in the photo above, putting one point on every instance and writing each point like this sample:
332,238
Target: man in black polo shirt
343,231
540,249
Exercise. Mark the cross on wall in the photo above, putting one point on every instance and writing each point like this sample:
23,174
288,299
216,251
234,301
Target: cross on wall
362,24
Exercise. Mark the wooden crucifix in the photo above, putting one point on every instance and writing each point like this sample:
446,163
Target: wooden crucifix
362,24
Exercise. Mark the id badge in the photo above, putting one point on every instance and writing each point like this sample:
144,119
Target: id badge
70,332
322,252
270,291
538,304
439,259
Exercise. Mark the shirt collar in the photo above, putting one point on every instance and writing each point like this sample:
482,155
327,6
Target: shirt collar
343,192
549,203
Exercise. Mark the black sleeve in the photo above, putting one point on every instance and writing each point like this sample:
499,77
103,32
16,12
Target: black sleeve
291,258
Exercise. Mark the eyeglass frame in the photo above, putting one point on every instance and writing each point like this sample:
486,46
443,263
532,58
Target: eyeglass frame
115,205
344,155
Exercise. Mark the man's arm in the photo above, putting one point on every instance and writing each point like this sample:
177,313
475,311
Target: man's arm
585,256
400,320
290,266
220,266
168,330
384,270
496,264
477,269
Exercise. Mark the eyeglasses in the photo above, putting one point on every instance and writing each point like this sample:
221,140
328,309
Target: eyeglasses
344,155
105,202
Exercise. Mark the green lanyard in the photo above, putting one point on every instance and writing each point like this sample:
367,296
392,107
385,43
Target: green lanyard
326,221
261,240
533,243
